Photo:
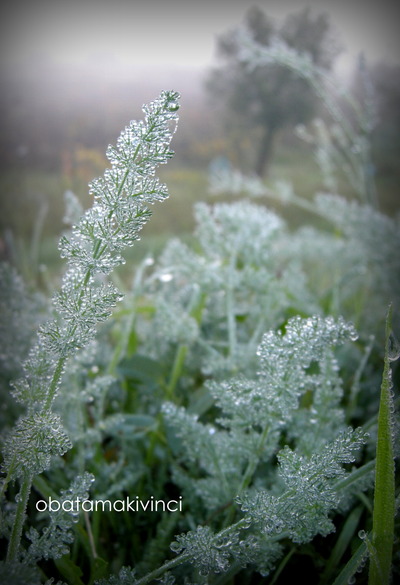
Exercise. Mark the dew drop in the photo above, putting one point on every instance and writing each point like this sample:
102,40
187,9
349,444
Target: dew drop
393,349
175,547
173,106
353,334
362,534
247,520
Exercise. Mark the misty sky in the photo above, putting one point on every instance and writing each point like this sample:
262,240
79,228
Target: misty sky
174,33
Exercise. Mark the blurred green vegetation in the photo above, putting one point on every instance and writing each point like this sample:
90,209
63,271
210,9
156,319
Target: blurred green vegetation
32,204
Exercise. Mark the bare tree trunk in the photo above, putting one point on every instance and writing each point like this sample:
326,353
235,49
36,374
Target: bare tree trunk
265,151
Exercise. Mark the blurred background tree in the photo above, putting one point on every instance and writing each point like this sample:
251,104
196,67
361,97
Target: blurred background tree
259,103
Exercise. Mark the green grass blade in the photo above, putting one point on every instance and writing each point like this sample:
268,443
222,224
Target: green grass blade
347,573
384,497
342,543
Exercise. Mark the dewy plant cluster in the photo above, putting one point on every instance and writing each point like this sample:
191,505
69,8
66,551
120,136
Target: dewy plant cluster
234,389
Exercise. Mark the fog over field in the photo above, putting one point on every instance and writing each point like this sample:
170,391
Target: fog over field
177,33
73,73
90,52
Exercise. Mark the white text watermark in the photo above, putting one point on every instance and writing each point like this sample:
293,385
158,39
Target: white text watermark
126,505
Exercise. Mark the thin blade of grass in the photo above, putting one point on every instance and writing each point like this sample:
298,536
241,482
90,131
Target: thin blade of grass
348,571
384,496
345,536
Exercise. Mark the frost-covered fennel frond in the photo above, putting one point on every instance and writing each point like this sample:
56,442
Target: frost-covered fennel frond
294,399
121,200
257,412
121,207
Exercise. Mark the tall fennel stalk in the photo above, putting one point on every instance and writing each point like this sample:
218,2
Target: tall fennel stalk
120,209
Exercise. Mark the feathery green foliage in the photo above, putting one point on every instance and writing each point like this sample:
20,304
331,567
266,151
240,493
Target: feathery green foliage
94,248
230,396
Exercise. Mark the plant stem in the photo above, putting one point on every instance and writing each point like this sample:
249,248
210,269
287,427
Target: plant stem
354,476
54,382
19,519
176,370
196,310
251,467
165,567
230,310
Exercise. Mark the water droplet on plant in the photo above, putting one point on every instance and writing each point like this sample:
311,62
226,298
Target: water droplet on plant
353,334
362,534
175,547
173,106
247,520
393,349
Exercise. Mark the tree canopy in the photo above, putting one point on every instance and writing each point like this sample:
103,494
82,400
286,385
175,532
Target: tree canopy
270,98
